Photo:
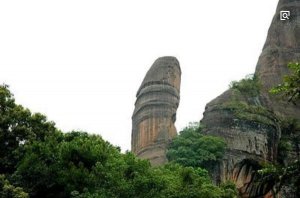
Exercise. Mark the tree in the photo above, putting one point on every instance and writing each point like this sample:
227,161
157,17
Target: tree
80,165
62,163
187,182
18,126
9,191
192,148
290,86
41,161
85,165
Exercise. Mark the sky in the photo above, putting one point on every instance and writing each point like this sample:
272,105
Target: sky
81,62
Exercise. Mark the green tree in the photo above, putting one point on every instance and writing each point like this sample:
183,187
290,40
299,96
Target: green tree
80,165
62,163
290,86
83,165
9,191
192,148
48,163
18,126
189,182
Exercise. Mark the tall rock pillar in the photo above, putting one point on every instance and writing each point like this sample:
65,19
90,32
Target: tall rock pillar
154,115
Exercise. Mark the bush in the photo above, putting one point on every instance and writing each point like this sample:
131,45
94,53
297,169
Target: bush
192,148
249,86
9,191
290,87
244,111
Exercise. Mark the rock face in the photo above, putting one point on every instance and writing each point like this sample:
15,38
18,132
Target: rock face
155,110
249,123
251,133
282,46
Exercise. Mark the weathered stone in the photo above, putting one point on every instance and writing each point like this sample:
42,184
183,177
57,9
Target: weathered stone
253,138
155,110
282,46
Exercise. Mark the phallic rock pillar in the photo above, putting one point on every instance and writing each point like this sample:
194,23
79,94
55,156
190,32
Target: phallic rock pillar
154,115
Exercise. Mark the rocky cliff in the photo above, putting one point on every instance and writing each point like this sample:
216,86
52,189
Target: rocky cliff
155,110
249,120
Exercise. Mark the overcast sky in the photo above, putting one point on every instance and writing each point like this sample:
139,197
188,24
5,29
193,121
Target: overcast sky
81,62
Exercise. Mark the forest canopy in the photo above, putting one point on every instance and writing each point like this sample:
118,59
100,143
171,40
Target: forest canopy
39,160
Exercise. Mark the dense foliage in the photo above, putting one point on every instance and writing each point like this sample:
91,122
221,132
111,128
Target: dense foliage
290,86
9,191
37,160
192,148
84,165
249,86
18,126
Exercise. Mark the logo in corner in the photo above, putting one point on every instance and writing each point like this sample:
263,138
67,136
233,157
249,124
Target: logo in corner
285,15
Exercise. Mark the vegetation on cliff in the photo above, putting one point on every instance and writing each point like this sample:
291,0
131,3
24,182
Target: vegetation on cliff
245,102
38,160
192,149
290,86
286,171
248,112
248,86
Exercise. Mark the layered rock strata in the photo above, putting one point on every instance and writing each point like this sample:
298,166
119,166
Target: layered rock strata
155,110
250,123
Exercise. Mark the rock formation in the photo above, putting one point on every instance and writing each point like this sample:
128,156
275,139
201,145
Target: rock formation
250,123
155,110
282,46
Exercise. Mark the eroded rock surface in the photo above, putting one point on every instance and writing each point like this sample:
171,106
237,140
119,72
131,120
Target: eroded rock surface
282,46
249,124
155,110
252,134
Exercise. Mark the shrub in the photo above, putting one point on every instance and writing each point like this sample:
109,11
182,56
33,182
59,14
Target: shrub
249,86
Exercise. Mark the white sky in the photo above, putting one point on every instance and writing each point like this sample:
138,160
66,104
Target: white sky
81,62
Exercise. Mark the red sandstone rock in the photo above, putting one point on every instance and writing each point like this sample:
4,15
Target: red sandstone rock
155,110
253,137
